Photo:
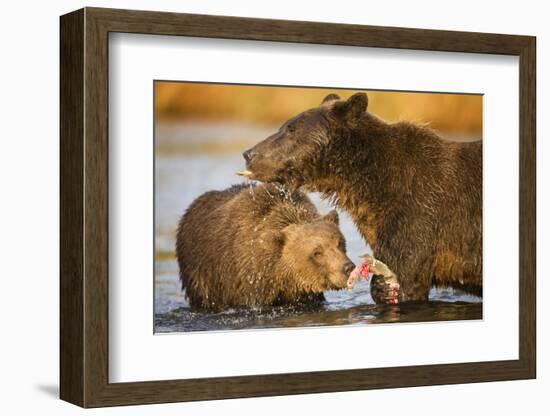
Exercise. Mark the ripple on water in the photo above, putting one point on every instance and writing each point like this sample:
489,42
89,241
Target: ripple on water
186,320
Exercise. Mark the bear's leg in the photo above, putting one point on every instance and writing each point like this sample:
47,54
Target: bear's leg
405,246
415,289
393,290
409,282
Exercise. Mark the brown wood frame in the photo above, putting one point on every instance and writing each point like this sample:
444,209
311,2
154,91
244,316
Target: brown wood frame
84,209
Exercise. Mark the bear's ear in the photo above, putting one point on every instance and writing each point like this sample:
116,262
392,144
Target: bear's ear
331,97
332,217
353,107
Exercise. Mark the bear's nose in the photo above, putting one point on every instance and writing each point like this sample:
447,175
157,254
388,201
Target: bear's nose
348,268
248,155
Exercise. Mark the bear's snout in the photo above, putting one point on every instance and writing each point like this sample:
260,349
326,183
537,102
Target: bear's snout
348,268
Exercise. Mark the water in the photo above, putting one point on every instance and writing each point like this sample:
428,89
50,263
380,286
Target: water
194,158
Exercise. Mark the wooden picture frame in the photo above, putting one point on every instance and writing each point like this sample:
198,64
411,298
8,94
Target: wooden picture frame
84,207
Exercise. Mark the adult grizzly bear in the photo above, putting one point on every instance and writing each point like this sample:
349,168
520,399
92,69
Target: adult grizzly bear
259,245
415,198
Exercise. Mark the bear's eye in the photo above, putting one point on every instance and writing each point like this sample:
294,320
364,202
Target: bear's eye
291,128
317,254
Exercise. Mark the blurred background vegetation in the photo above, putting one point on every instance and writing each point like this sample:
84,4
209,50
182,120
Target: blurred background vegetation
456,116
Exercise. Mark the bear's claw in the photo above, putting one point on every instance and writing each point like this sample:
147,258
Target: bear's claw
384,292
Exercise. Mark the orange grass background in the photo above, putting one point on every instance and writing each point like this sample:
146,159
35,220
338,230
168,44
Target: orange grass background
454,115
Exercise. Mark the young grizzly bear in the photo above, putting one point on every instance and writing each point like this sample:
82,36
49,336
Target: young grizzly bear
259,245
415,198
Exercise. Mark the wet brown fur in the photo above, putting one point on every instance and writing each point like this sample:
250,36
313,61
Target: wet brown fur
415,197
252,246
